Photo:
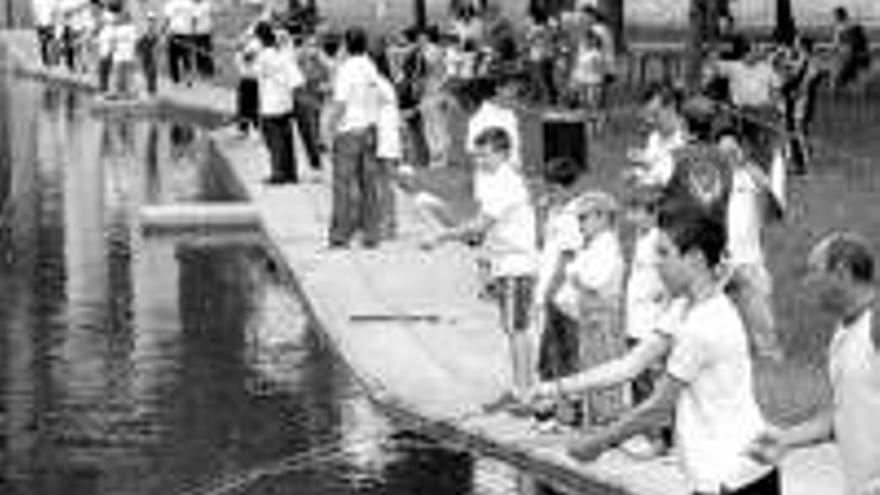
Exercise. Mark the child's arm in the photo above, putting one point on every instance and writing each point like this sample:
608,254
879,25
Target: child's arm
649,350
476,226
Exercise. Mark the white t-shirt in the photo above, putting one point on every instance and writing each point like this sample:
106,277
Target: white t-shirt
356,86
202,17
854,366
717,415
511,243
491,114
44,11
561,234
750,85
657,158
124,43
588,66
744,219
646,294
277,75
388,142
600,267
180,15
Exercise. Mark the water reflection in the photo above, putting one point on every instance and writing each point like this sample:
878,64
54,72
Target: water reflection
144,365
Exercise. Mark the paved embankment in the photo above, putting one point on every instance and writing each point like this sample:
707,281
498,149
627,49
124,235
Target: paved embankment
409,325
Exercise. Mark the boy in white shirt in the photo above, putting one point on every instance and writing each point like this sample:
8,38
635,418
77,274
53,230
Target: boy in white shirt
708,379
506,224
653,164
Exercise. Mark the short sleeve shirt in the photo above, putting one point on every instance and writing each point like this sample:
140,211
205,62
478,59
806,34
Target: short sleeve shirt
511,243
277,74
180,16
717,415
356,87
600,267
751,84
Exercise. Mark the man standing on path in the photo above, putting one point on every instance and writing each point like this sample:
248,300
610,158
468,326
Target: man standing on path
351,128
44,13
841,270
203,26
277,78
708,378
179,25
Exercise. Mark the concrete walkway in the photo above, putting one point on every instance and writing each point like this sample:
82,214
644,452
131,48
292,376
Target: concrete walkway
409,325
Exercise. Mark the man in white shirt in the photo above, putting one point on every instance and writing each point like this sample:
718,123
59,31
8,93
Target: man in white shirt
708,377
754,85
179,15
841,277
352,129
277,76
44,14
506,224
653,163
203,27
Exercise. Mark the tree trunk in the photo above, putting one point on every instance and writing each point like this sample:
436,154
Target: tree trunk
613,12
785,29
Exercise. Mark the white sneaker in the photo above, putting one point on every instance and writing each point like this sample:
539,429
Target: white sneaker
642,448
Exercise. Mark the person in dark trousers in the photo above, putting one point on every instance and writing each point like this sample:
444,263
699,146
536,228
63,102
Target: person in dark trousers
352,130
146,51
278,76
851,51
179,22
248,90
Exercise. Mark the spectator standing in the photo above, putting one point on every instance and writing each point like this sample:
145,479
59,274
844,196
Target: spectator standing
248,90
588,77
351,128
105,48
852,55
277,77
44,15
803,76
661,111
842,279
202,37
179,22
309,98
389,149
147,45
124,55
754,85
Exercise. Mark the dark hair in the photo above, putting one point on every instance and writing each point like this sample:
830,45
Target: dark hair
840,13
689,229
563,171
496,138
665,93
265,34
853,254
356,41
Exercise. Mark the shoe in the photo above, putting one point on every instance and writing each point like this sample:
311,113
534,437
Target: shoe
643,448
337,245
274,180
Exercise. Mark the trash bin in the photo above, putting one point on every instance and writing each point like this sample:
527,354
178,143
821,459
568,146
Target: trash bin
552,133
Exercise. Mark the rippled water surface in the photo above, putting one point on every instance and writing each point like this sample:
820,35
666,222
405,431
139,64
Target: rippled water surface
139,363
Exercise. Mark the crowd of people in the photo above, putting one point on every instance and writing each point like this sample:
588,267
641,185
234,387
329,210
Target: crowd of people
682,315
106,38
685,313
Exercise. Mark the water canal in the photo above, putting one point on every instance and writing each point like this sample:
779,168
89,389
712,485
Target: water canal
166,364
